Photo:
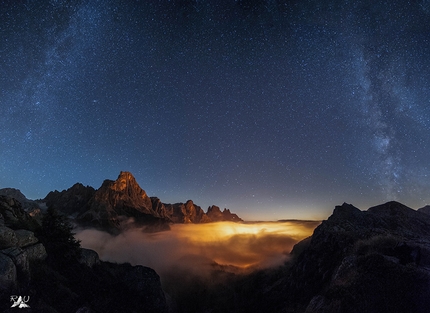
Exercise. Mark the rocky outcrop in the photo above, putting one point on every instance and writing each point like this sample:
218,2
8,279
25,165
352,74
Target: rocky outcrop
35,252
89,257
364,261
22,247
215,214
27,204
14,216
31,207
72,201
19,258
25,237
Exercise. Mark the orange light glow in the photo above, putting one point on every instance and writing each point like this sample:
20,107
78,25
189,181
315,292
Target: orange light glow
242,245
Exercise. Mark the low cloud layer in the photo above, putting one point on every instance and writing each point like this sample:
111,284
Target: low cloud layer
196,246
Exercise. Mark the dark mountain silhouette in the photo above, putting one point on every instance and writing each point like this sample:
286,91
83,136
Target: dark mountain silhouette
116,202
72,201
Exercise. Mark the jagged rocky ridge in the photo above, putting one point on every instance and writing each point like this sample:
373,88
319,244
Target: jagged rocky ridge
115,202
356,261
86,285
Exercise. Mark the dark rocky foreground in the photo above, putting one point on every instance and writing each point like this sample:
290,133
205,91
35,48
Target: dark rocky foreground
44,265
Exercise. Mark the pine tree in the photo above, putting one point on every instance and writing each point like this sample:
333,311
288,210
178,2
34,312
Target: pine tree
58,238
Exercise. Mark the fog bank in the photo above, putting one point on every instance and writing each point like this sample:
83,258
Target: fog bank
196,246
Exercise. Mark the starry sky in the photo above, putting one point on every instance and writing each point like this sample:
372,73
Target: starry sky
271,108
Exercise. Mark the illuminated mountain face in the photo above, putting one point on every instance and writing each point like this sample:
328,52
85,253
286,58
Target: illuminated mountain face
123,201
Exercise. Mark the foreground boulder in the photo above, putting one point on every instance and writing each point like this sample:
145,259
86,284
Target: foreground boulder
7,273
89,257
25,237
7,237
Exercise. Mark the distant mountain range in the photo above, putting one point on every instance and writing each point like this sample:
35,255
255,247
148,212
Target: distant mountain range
117,203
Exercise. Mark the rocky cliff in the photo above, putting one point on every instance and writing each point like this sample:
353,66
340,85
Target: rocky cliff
360,261
84,284
30,206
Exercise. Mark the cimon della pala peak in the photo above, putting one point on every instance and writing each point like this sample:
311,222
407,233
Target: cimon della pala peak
117,202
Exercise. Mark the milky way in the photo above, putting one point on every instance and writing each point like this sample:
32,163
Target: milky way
273,109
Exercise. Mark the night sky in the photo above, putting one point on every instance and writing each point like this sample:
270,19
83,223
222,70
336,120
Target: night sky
274,109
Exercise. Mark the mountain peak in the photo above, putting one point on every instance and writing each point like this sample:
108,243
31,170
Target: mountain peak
125,181
116,199
124,191
126,176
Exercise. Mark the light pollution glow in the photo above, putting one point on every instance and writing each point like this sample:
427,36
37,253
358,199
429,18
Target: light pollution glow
243,245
